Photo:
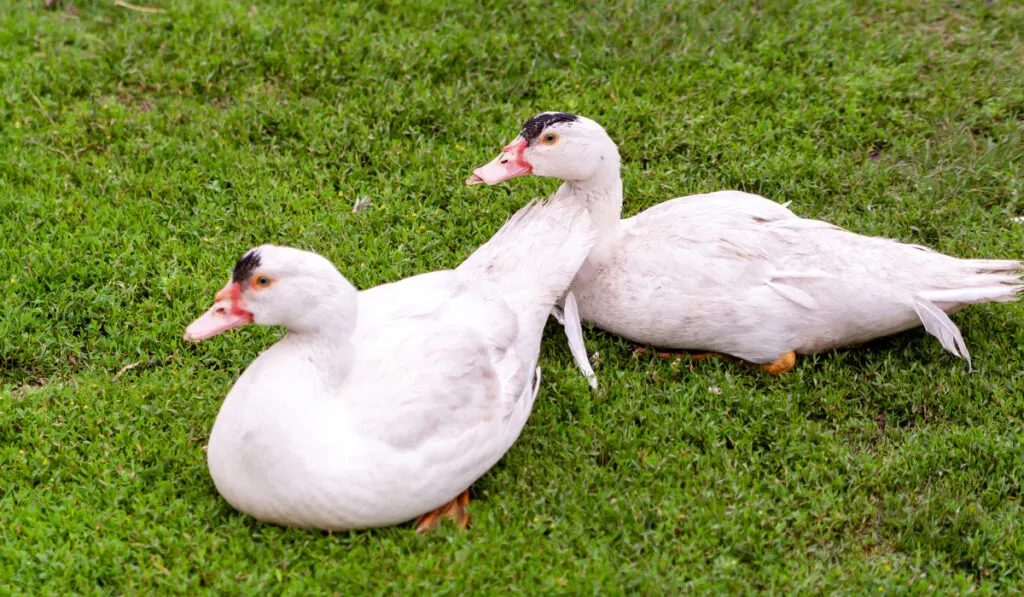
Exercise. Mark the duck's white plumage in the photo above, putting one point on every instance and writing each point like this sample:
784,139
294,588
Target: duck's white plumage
736,273
402,395
756,281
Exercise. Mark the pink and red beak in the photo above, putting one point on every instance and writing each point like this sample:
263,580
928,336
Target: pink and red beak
509,164
228,311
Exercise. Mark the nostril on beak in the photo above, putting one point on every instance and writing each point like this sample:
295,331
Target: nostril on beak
504,161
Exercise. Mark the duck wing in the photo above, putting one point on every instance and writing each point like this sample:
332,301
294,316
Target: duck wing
708,245
449,361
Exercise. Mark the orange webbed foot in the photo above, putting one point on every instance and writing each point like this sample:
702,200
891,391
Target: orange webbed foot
783,364
454,510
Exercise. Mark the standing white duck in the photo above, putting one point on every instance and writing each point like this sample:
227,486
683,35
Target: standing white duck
385,405
735,273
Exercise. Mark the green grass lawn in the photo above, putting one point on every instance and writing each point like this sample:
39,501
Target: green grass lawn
141,154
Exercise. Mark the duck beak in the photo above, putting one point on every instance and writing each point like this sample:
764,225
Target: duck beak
227,312
509,164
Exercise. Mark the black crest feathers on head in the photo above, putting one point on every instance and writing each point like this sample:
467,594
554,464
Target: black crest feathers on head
245,267
536,125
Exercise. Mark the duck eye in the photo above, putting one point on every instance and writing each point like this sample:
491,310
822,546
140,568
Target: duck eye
549,139
261,281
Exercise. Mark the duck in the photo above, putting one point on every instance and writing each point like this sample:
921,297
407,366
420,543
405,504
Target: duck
383,406
734,273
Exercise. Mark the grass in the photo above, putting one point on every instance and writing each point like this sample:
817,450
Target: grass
141,154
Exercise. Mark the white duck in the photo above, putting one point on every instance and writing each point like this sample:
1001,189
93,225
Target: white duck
735,273
385,405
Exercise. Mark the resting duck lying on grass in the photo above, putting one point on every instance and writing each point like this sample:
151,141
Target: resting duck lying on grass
385,405
735,273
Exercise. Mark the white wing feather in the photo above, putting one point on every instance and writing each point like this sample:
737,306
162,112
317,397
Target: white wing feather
574,334
938,324
794,294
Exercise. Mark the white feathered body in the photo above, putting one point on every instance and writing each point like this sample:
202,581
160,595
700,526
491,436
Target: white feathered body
440,381
739,274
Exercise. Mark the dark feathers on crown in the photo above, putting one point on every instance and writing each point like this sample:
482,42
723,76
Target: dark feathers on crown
536,125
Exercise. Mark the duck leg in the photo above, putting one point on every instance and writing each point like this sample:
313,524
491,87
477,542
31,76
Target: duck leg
661,354
455,510
783,364
703,356
664,354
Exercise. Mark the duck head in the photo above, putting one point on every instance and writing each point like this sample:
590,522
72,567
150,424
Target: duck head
272,285
559,145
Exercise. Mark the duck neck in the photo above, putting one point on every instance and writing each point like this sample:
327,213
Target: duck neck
602,196
327,343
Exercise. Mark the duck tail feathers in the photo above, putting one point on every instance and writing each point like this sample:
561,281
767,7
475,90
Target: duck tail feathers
982,281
